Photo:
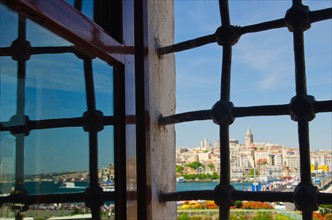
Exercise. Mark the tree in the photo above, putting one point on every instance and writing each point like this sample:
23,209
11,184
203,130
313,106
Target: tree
251,173
195,165
179,169
211,166
215,176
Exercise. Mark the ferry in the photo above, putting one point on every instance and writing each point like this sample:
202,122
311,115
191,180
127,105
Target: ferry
180,179
108,186
68,185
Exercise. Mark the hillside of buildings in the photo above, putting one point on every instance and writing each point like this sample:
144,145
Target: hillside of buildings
262,160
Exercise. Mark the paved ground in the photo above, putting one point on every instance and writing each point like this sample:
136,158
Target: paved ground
289,206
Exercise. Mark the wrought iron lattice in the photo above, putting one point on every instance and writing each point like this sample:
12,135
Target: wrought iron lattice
302,109
92,121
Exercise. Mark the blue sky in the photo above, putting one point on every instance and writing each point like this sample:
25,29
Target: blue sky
262,71
262,74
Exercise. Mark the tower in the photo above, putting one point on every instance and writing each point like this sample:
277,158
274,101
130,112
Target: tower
249,138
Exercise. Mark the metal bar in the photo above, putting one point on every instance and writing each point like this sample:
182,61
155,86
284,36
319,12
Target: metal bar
300,74
64,20
20,107
51,50
89,84
268,196
186,45
185,117
186,195
224,12
120,143
50,123
264,26
224,212
323,106
265,110
78,4
324,198
93,138
265,196
320,15
304,150
142,125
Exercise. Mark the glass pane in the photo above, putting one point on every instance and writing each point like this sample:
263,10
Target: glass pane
55,86
87,7
57,160
7,162
8,26
39,36
103,78
8,84
106,158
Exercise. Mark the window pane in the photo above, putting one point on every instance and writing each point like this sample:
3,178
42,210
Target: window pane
56,156
55,86
7,162
106,157
39,36
8,26
8,84
103,78
87,7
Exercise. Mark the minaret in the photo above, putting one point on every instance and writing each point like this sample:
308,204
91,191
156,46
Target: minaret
249,138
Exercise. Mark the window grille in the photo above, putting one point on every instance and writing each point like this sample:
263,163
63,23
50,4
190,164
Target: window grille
93,121
302,109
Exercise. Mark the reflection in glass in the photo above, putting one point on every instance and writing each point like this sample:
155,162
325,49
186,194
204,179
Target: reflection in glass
49,84
7,162
103,78
8,26
87,7
38,36
56,150
8,84
55,86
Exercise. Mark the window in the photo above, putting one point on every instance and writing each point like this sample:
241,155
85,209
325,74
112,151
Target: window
97,78
301,109
62,118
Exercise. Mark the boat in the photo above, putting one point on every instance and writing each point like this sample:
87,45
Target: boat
180,179
68,185
108,186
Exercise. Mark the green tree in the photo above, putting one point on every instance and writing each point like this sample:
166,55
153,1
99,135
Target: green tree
215,176
252,172
179,169
195,165
211,166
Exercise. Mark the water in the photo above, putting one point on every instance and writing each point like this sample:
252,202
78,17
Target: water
34,188
46,187
187,186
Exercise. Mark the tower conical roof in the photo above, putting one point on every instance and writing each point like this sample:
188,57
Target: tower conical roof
248,132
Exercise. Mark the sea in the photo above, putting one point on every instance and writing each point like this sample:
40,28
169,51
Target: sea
49,187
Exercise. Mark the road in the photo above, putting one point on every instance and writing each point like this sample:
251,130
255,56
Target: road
289,206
